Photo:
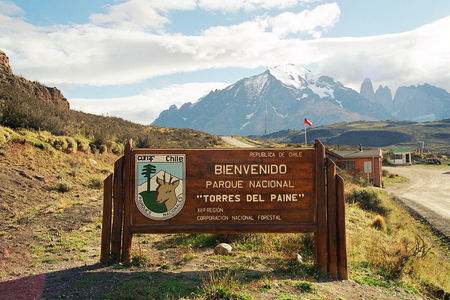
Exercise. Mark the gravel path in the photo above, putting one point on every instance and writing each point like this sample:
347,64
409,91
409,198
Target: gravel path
427,192
235,142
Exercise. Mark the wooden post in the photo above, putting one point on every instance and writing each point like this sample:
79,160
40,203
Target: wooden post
127,235
331,218
106,222
118,196
341,239
321,236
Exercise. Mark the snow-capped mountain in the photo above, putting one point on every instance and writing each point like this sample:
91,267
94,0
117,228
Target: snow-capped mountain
279,98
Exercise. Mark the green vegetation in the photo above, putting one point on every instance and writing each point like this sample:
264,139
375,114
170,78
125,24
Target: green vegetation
69,130
63,186
389,178
368,200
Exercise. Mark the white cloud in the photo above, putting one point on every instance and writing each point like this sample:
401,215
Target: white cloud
145,107
135,14
248,5
10,9
312,22
408,58
102,55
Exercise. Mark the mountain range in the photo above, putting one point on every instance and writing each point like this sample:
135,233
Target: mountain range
281,97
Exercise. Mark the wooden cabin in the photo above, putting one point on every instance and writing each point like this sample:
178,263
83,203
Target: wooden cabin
360,163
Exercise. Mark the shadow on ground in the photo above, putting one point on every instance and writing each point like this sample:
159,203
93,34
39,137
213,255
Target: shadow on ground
119,282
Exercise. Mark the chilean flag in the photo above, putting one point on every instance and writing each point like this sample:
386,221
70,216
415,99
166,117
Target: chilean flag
308,122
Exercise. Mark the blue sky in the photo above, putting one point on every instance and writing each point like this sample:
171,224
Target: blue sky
135,58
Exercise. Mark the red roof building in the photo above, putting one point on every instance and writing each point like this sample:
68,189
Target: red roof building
360,163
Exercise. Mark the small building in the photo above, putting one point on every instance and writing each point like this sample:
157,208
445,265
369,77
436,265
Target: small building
400,156
360,163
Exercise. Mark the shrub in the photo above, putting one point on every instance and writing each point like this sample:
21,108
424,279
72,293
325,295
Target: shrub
60,143
368,200
82,144
71,145
393,259
140,260
63,186
116,148
362,182
304,287
379,223
95,183
102,148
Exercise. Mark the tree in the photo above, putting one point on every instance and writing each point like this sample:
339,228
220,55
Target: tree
147,171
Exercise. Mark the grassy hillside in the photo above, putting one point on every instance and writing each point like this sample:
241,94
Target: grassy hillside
387,134
20,110
50,204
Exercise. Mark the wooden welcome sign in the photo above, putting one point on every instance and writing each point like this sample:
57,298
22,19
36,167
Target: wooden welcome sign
226,191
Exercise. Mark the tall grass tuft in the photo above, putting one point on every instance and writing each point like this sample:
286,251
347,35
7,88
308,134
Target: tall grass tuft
379,223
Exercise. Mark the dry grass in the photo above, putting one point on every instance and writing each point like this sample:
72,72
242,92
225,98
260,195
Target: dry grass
405,252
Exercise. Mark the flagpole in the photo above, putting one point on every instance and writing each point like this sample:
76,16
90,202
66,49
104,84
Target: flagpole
306,145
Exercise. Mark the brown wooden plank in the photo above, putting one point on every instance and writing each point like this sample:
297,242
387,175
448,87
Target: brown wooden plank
127,235
321,237
118,196
341,236
223,228
106,223
331,218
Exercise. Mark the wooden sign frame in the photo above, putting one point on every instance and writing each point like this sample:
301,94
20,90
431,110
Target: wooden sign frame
319,205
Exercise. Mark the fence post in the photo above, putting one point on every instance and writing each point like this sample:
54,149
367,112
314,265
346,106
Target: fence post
331,218
341,237
321,236
106,222
118,193
127,235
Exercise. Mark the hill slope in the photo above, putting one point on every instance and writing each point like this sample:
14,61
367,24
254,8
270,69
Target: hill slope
436,135
51,204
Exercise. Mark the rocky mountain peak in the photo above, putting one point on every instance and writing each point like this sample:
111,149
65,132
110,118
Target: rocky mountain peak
383,96
4,63
366,90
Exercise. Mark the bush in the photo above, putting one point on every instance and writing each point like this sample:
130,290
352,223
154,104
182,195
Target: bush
304,287
95,183
394,259
368,200
63,186
71,145
60,143
82,144
102,149
379,223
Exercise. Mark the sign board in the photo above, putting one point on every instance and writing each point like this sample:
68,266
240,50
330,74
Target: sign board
367,167
226,191
223,189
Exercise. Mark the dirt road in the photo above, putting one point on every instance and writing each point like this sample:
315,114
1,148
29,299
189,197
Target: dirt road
427,192
235,142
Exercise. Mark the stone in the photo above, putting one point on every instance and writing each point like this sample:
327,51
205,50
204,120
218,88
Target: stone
297,257
4,63
223,249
